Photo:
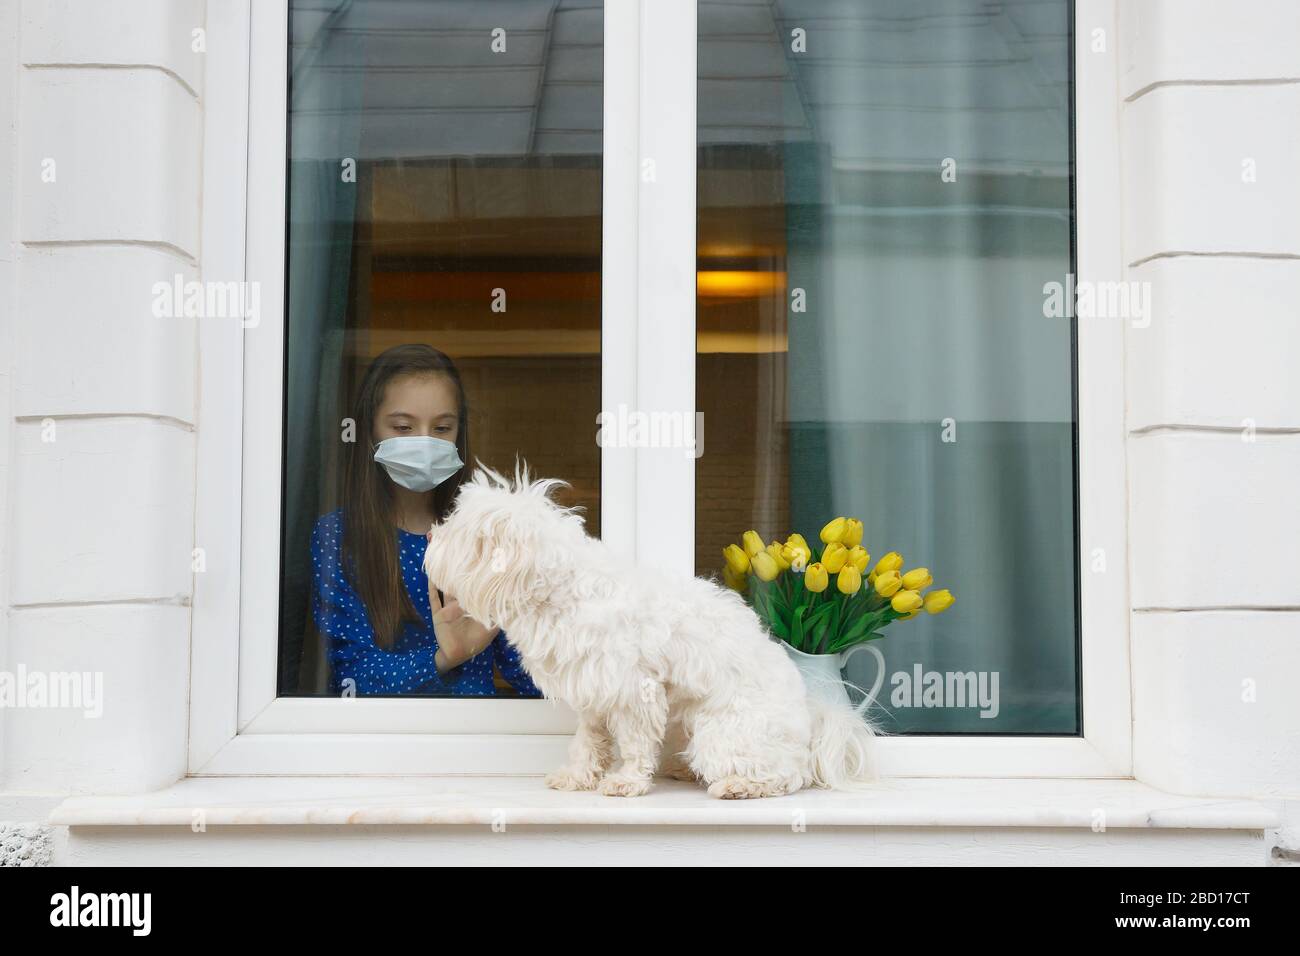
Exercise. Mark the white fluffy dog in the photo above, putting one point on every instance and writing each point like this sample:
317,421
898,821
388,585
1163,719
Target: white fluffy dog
652,663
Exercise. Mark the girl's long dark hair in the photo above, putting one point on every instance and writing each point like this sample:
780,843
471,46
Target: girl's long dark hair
370,553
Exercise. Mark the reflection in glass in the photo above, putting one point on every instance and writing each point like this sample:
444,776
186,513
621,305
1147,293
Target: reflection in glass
444,190
884,189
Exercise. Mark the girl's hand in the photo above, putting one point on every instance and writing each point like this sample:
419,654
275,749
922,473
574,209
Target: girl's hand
460,637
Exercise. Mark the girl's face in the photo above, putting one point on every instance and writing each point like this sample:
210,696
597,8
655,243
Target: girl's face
416,405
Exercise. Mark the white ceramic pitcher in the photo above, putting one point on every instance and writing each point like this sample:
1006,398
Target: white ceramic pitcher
822,674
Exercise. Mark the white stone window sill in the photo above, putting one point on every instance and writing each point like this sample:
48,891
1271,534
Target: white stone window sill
486,801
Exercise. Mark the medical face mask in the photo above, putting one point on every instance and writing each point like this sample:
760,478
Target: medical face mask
418,462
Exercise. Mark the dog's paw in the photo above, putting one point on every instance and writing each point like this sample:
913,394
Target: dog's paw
619,785
567,779
738,788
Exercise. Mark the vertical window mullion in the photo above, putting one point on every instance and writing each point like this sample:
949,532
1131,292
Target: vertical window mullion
619,268
665,391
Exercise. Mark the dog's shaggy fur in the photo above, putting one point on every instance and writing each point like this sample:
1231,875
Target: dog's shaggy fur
654,664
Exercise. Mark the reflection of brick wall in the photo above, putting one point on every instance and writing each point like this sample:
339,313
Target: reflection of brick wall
544,408
742,479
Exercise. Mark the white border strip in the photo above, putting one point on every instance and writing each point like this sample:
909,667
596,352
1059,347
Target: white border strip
214,653
1103,487
263,360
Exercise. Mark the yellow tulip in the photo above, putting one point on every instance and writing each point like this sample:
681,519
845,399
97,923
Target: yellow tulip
752,542
905,602
763,565
936,602
890,562
797,541
833,530
852,536
815,578
775,549
834,557
871,578
737,582
849,580
737,560
796,557
888,583
859,558
917,579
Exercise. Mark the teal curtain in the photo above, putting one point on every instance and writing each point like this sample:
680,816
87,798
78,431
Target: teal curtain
324,116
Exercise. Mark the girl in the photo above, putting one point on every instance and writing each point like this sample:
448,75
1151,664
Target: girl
388,631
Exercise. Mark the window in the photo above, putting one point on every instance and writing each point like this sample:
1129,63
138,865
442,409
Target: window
884,192
443,263
695,172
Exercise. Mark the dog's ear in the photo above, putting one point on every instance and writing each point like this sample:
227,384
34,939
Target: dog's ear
507,570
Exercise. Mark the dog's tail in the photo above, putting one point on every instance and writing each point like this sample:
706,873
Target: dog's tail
844,748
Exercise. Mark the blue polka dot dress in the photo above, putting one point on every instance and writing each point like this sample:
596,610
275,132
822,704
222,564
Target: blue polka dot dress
409,667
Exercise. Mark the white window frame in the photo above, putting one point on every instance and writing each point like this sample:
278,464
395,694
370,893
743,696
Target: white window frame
237,724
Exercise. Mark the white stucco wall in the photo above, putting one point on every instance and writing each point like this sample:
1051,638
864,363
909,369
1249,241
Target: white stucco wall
1214,518
8,307
98,524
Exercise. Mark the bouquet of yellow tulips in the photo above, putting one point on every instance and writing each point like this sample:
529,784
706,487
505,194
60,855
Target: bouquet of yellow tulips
789,586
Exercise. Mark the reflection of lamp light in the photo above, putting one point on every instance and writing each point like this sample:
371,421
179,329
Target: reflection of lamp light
740,250
739,284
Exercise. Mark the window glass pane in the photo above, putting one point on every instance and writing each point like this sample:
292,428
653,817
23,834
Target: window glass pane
884,190
444,190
